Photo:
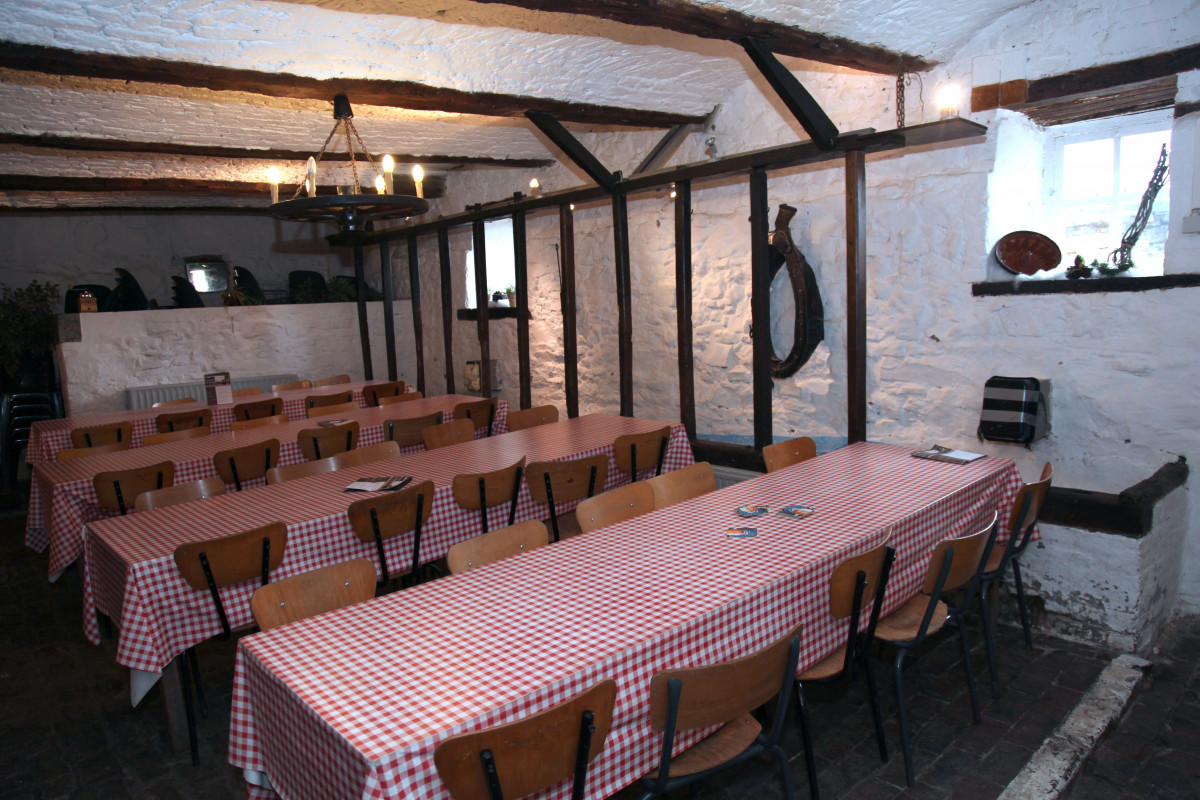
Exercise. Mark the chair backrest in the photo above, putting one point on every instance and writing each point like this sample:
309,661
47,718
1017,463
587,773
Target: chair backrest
393,513
332,380
177,402
407,432
335,399
495,545
480,412
373,392
498,486
250,391
532,417
334,410
324,442
569,480
1026,507
533,753
286,387
647,449
118,489
184,419
102,434
683,484
79,452
247,462
313,592
258,409
966,556
453,432
615,505
151,439
400,398
305,468
244,424
183,493
843,586
785,454
380,451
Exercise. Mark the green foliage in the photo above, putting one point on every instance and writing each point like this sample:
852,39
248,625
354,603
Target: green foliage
27,323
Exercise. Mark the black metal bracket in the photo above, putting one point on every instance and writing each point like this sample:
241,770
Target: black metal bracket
803,106
572,148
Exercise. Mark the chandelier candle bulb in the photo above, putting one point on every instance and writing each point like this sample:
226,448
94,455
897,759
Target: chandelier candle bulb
389,168
381,185
273,179
418,175
310,177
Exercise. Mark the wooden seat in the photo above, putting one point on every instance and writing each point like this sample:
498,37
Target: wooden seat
380,451
245,463
313,592
387,515
407,432
689,698
183,493
637,452
79,452
250,391
532,417
484,490
318,443
118,489
615,505
258,422
258,409
683,484
482,413
179,402
785,454
400,398
530,754
152,439
341,409
495,545
557,482
305,468
167,423
332,380
97,435
287,387
326,400
373,392
455,431
955,563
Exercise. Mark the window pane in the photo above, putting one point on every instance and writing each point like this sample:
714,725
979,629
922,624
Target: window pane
1088,170
1139,154
1089,231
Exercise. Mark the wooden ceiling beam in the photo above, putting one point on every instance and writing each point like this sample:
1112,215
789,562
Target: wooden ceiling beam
711,21
434,185
361,91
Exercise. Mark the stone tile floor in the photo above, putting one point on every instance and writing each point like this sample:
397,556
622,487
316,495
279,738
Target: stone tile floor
67,729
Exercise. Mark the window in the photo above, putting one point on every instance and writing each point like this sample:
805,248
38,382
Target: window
501,267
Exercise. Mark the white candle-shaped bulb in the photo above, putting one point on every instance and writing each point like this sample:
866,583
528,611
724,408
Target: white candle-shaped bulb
380,185
310,177
948,98
273,179
389,169
418,175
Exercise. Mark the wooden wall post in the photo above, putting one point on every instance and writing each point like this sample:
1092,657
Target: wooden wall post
389,322
566,288
443,236
482,298
683,306
520,262
856,295
760,307
620,209
414,281
364,331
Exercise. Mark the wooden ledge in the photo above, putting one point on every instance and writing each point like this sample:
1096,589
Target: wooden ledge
1085,285
1130,513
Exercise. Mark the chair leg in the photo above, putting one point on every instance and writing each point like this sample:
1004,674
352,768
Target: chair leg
989,643
966,651
184,683
1016,565
905,744
785,772
873,696
810,761
195,665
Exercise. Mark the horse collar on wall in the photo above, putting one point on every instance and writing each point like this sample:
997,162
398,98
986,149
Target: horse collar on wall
810,314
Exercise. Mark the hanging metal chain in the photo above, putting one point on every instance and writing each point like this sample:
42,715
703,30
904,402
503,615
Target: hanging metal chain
899,99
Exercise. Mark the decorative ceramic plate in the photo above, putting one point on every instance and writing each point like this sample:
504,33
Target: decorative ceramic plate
751,511
741,533
1027,252
796,512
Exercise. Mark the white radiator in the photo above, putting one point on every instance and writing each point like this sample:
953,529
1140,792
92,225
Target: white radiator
146,396
727,476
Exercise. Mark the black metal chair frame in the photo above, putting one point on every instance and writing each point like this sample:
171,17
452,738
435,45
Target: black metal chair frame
237,479
349,441
121,495
199,416
491,419
550,497
512,509
633,462
587,727
414,576
1013,549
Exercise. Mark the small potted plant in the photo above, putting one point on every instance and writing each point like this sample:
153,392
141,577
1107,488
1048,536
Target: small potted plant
511,291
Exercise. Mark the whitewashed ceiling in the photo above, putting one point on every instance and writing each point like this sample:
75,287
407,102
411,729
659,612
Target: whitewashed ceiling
474,54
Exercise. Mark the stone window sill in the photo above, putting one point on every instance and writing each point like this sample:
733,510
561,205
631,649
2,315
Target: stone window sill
1085,285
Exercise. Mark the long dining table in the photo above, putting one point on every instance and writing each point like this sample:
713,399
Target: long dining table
353,703
62,498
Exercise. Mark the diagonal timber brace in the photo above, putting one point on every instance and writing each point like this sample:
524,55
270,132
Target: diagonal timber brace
572,148
811,116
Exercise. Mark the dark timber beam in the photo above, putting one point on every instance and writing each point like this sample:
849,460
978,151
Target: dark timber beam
443,238
482,297
665,148
803,106
856,295
683,306
414,282
389,319
51,183
711,21
620,210
361,91
566,289
364,329
760,308
521,267
572,148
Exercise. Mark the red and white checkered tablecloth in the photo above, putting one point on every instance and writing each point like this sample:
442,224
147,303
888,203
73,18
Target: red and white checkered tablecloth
352,704
47,437
130,575
62,498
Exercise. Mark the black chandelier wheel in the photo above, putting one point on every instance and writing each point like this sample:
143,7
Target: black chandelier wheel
351,212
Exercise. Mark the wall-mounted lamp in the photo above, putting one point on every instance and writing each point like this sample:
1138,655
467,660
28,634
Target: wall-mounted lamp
672,194
535,188
948,98
273,179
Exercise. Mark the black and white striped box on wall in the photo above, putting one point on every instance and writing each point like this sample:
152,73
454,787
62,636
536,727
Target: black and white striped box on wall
1015,410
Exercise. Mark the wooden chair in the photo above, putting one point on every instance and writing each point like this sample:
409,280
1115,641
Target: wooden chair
785,454
532,417
688,698
97,435
167,423
683,484
380,451
400,398
313,592
183,493
635,452
79,452
287,387
247,392
258,409
407,432
387,515
213,564
525,756
316,443
455,431
181,401
485,490
495,545
326,400
615,505
858,581
118,489
482,413
554,482
374,391
247,462
152,439
954,563
246,424
305,468
331,411
332,380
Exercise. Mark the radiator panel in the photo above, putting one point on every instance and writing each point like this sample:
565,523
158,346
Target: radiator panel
146,396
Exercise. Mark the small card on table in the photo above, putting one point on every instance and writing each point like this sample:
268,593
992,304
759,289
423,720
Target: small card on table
741,533
379,484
